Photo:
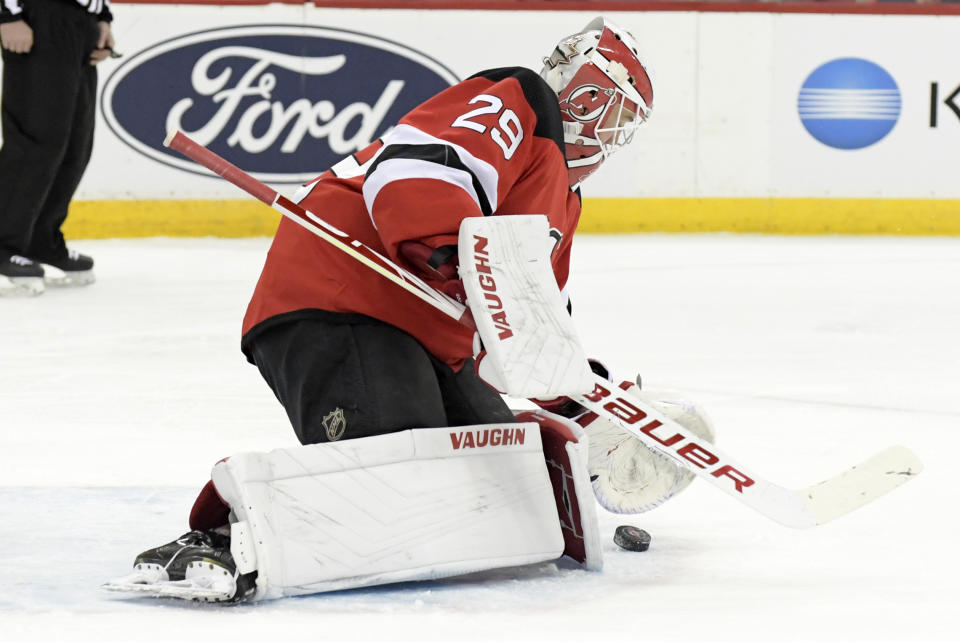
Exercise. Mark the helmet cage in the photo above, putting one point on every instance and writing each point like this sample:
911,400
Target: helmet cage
618,125
595,113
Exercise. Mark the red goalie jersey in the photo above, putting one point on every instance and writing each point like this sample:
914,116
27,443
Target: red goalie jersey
490,145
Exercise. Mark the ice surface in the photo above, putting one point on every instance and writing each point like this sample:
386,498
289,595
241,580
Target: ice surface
809,353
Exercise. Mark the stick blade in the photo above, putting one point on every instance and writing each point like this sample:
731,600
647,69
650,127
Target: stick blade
861,484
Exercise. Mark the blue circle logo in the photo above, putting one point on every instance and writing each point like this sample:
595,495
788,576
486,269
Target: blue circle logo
849,103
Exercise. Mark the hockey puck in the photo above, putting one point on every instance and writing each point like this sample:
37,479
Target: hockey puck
631,538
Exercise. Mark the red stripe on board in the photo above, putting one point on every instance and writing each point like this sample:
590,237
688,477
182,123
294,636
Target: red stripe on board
822,6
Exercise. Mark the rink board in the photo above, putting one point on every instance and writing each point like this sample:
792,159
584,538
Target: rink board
763,122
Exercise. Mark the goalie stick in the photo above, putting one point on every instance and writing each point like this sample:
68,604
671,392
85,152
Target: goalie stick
308,220
800,508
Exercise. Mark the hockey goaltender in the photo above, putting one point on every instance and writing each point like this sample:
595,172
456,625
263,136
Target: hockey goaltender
412,465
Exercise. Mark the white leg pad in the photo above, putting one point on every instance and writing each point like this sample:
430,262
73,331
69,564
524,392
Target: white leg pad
565,449
413,505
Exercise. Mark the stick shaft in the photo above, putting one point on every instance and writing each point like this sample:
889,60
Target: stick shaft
220,166
313,223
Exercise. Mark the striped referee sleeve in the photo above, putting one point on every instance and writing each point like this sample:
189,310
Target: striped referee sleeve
10,10
99,8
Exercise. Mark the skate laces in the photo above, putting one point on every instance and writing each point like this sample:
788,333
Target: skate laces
194,538
20,260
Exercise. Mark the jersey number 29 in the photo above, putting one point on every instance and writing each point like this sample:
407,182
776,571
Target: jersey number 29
510,132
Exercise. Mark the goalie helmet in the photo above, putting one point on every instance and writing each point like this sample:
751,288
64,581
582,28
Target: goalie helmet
604,93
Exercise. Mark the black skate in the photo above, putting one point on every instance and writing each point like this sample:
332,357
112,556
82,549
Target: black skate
19,276
73,269
195,566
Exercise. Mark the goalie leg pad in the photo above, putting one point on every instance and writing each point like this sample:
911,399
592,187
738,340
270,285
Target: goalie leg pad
412,505
565,451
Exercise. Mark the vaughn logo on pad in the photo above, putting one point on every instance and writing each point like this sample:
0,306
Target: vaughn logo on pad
487,437
282,102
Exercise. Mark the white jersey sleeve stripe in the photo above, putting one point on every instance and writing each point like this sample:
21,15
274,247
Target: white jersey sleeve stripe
485,173
394,169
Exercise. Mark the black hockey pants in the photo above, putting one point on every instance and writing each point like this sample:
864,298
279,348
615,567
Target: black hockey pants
49,103
349,376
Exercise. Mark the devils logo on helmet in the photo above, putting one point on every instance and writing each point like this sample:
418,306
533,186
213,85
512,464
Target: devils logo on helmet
586,103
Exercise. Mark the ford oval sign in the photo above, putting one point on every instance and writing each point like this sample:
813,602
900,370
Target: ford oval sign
283,102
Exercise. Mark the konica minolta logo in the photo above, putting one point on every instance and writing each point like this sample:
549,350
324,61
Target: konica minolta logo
283,102
849,103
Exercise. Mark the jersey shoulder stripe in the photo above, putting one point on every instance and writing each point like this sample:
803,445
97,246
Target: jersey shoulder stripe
357,164
434,158
538,94
442,155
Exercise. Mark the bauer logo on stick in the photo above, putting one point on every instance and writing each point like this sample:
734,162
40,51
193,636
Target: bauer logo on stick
679,447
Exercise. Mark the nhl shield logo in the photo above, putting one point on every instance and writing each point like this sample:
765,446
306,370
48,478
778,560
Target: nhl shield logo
335,423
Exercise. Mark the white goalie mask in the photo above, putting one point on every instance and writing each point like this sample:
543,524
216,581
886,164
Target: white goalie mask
604,92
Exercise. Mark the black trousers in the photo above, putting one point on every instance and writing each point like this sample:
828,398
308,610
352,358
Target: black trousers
346,376
48,110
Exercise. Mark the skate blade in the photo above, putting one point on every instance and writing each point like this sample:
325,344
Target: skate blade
57,278
21,286
197,589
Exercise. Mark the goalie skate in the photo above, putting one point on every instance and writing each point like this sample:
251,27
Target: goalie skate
196,566
201,589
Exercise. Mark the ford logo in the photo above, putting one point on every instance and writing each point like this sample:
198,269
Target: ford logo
283,102
849,103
